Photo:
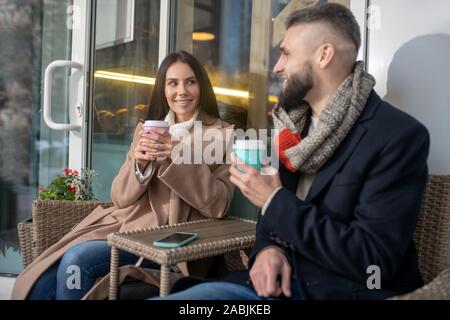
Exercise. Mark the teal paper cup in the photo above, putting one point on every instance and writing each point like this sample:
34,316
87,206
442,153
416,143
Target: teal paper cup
251,152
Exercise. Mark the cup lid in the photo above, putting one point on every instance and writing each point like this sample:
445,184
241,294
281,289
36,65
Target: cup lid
156,123
249,144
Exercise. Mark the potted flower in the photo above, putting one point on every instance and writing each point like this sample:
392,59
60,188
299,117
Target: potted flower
66,201
72,186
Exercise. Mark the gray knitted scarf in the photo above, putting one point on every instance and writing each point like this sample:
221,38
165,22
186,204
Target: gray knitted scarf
335,122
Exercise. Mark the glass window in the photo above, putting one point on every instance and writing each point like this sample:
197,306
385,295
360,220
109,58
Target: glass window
238,43
218,33
126,63
32,34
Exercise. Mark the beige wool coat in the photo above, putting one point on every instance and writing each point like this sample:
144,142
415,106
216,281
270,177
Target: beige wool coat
174,193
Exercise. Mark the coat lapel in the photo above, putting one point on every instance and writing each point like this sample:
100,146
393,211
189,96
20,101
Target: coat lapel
289,179
339,158
329,170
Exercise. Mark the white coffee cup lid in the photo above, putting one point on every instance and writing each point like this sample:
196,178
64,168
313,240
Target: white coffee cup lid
249,144
156,123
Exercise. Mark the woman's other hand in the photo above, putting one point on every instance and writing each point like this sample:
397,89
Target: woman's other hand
143,149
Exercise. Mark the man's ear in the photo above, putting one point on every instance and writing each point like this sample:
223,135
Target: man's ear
325,55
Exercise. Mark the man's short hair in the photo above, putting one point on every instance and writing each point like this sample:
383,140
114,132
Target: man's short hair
337,16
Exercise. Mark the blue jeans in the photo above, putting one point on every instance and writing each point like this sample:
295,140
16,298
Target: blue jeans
76,272
225,291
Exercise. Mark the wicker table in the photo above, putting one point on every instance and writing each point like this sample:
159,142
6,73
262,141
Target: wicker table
215,237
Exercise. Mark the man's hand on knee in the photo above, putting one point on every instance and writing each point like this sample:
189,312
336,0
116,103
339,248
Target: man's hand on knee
271,273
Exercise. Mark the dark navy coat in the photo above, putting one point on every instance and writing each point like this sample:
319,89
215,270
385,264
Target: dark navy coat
361,211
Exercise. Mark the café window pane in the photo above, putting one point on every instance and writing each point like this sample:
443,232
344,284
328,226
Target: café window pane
238,43
126,62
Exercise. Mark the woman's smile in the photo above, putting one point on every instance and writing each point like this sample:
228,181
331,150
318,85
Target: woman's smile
182,91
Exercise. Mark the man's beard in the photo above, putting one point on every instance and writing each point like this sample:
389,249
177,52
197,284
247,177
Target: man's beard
297,87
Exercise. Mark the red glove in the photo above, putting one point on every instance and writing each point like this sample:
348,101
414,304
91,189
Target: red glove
287,139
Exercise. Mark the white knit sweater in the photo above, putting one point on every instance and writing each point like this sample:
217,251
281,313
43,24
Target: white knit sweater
176,129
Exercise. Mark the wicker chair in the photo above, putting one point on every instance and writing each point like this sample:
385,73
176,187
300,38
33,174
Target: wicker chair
432,241
53,219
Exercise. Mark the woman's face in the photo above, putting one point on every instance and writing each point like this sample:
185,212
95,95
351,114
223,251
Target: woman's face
182,91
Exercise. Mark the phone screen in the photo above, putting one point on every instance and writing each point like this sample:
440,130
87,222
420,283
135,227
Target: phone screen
176,237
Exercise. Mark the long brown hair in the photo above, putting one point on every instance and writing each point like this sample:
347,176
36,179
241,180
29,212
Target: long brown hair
158,103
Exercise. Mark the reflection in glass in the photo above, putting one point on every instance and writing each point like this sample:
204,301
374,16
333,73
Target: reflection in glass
124,73
225,53
239,47
32,34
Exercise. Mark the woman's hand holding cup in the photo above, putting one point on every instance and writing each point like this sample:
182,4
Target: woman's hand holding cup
152,140
161,143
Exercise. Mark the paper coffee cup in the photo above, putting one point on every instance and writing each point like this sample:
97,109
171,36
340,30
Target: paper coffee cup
149,124
251,152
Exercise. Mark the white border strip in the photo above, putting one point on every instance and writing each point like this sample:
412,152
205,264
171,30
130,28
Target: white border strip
164,23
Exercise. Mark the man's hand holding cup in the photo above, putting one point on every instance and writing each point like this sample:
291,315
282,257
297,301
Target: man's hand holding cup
246,172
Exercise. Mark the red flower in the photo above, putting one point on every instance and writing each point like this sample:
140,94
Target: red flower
70,172
71,189
41,189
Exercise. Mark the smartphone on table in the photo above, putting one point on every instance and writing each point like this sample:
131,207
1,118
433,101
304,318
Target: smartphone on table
175,240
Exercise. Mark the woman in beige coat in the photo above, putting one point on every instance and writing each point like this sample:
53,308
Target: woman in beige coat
151,188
